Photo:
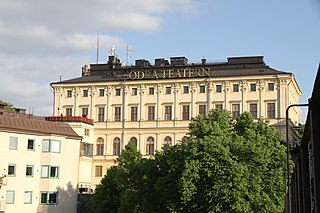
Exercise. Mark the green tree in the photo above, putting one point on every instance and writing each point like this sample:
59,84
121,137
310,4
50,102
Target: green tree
224,166
127,187
9,107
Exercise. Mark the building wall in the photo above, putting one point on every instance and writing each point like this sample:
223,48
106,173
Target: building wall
85,159
65,184
285,92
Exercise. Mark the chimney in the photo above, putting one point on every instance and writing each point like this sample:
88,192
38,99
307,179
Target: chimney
85,70
203,61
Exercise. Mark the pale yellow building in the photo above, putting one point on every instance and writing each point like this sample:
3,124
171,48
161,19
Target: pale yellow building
39,164
151,105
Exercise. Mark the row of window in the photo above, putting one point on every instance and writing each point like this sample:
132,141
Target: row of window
47,145
13,143
185,112
87,149
45,197
168,90
47,171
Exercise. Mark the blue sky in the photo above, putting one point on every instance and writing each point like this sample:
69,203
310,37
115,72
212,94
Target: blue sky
39,41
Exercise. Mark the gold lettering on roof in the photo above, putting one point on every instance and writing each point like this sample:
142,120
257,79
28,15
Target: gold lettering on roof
169,73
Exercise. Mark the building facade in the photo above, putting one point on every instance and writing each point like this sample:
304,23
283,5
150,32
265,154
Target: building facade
152,105
38,167
304,191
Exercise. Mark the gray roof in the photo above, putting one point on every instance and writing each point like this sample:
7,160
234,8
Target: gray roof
27,125
237,66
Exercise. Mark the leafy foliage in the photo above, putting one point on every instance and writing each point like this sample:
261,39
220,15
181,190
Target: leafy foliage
224,166
9,107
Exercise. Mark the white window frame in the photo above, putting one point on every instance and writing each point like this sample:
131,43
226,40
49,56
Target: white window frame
10,197
49,145
46,171
13,143
29,166
14,169
33,140
27,197
48,198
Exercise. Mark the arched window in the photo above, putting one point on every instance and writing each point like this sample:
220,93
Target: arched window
133,140
116,146
100,146
167,140
185,138
150,146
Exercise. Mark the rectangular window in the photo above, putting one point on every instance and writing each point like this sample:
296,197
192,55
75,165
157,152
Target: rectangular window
51,146
134,113
202,109
118,92
101,92
253,87
219,107
218,88
235,87
12,170
185,112
49,171
49,198
202,89
13,143
271,86
30,144
29,171
85,112
117,113
86,132
85,93
68,111
151,90
168,113
27,197
271,110
151,113
86,149
69,93
168,90
254,110
235,110
98,171
134,91
185,89
10,197
101,114
55,146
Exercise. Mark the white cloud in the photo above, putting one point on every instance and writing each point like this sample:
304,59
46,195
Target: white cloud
26,94
41,40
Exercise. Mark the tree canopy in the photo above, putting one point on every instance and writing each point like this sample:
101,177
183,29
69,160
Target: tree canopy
9,107
224,166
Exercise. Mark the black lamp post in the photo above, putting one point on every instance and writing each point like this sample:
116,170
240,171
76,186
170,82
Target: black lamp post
288,210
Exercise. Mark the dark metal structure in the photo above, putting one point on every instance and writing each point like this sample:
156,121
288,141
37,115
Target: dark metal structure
304,191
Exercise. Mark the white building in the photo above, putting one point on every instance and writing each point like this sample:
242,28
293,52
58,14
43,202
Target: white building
152,105
39,163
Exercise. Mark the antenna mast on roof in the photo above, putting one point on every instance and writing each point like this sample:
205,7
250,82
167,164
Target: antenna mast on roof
127,54
98,38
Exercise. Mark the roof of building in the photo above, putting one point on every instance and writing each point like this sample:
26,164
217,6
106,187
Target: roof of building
114,71
27,125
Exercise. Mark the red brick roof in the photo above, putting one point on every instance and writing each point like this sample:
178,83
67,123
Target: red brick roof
24,124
